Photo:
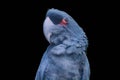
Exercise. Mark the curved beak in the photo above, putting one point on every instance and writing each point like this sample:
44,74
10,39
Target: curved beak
47,27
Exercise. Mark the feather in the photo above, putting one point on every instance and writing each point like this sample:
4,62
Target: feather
65,58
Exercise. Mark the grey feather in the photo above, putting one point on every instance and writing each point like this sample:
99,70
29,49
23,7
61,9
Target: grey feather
65,58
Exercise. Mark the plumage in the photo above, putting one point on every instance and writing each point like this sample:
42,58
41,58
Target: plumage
65,58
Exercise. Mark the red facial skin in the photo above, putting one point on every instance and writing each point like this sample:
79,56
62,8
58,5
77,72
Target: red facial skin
63,22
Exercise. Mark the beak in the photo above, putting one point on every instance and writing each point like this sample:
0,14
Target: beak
49,35
47,27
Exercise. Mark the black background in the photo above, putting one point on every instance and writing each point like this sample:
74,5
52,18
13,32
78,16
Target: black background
25,43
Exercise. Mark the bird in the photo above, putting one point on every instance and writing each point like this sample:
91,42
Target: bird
66,56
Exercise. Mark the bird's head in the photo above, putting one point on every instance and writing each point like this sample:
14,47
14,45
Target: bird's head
54,21
57,21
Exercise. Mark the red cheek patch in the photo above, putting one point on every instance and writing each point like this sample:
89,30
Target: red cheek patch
63,22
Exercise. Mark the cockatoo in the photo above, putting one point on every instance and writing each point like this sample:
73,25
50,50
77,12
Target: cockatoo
65,58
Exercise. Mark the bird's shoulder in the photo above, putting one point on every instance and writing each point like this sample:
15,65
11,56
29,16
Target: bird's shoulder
67,47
